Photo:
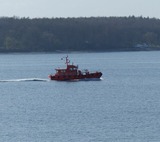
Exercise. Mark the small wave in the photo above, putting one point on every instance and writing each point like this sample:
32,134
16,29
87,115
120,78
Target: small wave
24,80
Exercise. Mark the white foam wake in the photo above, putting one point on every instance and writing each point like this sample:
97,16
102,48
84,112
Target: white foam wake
92,79
24,80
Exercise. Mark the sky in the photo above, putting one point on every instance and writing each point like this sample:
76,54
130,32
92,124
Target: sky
79,8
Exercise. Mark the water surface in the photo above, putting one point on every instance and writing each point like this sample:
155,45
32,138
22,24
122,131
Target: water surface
123,107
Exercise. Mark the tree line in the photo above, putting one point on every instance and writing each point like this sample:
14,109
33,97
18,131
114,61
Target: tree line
79,34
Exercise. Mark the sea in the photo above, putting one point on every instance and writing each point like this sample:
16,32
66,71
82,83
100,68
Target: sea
123,106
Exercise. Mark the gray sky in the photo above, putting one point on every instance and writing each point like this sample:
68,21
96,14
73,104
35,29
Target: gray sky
79,8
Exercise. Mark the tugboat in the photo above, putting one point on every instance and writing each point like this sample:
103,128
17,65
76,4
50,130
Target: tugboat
72,73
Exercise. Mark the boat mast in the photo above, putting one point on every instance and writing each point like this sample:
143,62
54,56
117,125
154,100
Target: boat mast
67,60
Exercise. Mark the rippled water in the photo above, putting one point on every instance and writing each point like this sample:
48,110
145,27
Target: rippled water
122,107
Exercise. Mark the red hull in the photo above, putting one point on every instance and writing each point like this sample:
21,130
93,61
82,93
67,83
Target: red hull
75,77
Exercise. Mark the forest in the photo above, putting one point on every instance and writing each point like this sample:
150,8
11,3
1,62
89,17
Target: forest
88,34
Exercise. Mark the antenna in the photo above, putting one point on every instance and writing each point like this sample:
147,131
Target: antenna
67,60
